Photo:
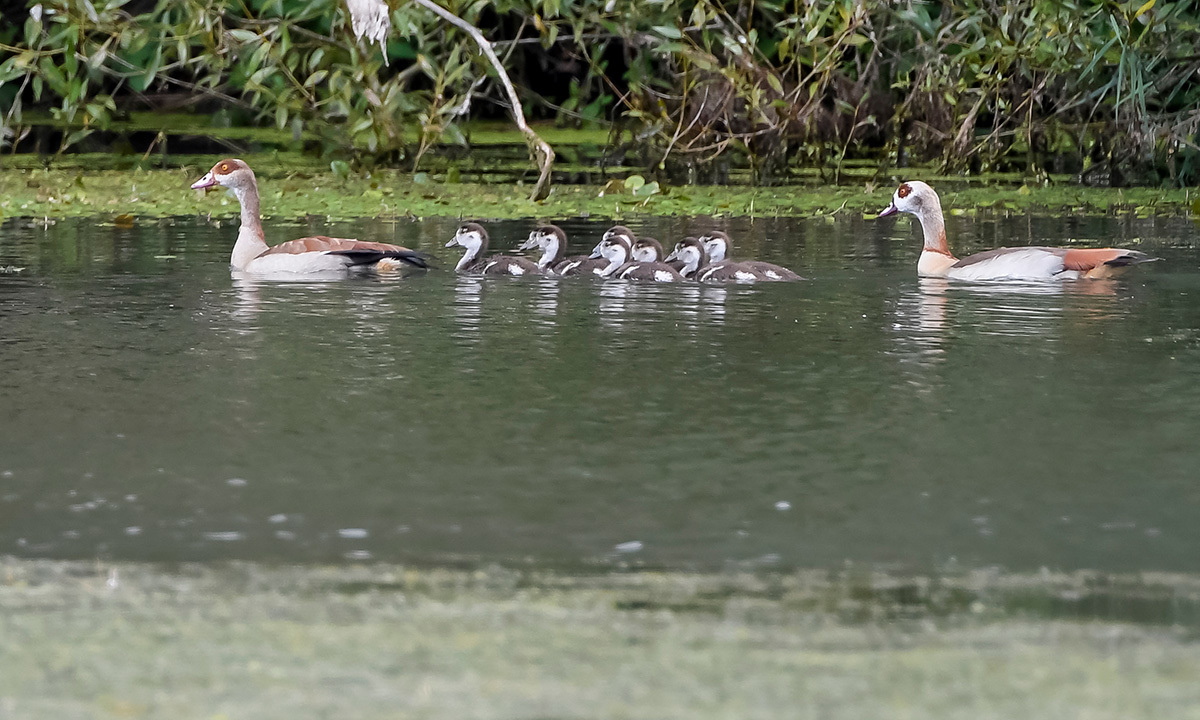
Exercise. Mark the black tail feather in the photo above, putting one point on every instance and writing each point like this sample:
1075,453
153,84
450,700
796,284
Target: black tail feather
1131,257
370,257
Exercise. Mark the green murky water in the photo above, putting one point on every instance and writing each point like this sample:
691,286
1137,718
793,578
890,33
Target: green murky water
156,408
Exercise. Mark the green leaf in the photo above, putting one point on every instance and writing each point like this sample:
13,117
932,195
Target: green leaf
245,36
1145,8
633,182
54,77
668,31
650,188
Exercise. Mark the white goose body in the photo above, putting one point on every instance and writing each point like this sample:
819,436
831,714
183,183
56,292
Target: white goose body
310,255
1013,263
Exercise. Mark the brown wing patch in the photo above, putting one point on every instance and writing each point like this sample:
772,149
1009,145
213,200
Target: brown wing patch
1084,260
321,243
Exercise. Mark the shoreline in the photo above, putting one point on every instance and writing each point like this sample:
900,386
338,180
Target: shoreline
244,640
391,194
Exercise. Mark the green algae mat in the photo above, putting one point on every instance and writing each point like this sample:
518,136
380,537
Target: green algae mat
293,186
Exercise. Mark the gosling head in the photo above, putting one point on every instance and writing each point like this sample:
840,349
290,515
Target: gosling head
647,249
540,238
691,253
619,231
471,236
716,245
614,249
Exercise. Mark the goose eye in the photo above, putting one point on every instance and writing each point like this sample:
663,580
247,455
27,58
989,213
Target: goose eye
903,191
224,167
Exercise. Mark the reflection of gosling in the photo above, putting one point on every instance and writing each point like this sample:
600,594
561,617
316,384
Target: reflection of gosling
718,245
474,238
617,251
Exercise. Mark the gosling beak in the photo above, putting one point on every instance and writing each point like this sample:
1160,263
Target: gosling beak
596,252
209,180
529,244
453,241
889,210
673,255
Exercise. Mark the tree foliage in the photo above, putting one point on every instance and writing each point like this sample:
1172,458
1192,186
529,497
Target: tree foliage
1107,89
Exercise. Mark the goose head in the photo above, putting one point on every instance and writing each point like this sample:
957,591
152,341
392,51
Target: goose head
689,251
717,245
913,197
230,173
647,249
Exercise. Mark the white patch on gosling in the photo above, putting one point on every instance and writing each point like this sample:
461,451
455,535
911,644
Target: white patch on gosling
516,269
663,276
743,276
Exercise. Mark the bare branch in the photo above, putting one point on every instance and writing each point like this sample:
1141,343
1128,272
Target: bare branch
539,149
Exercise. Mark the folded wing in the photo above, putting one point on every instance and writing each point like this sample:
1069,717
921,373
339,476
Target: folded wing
357,252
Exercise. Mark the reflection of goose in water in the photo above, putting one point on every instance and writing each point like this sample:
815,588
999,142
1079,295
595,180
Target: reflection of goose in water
939,308
248,288
613,303
468,307
712,304
545,302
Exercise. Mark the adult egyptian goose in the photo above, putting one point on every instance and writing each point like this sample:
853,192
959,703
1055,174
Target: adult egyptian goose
616,249
552,241
718,245
1015,263
305,255
693,256
474,238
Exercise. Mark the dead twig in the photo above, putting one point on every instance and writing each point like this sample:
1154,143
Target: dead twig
539,149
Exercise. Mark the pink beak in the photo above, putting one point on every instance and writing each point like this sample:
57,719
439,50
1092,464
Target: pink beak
889,210
207,181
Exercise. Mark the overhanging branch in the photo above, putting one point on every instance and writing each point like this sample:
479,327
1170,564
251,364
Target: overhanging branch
370,18
539,149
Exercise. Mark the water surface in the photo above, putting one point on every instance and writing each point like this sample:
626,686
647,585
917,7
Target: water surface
154,407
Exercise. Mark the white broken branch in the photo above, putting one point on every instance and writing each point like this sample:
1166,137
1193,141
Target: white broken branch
371,19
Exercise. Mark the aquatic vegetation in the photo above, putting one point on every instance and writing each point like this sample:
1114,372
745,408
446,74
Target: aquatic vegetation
294,186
